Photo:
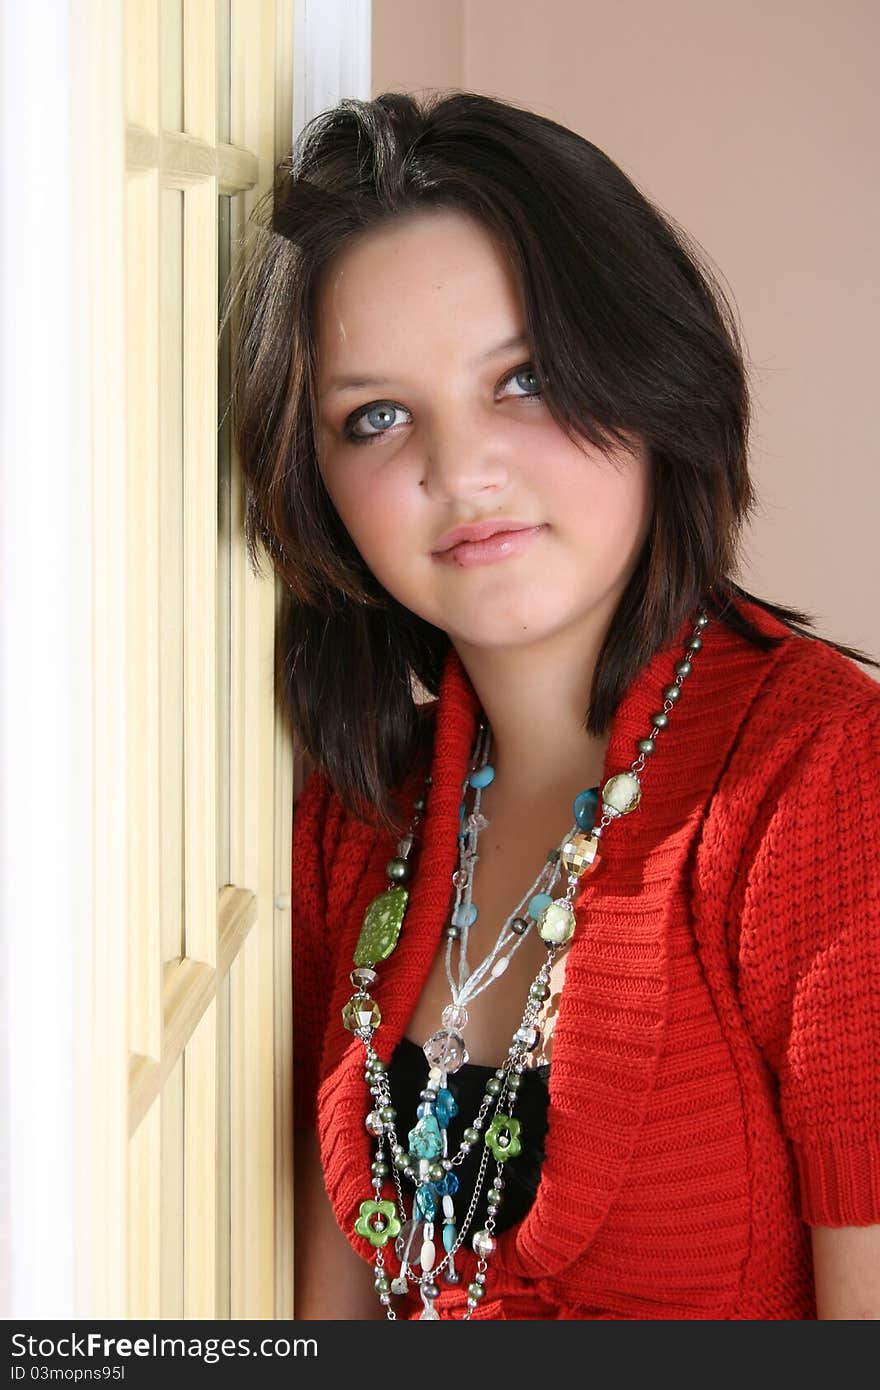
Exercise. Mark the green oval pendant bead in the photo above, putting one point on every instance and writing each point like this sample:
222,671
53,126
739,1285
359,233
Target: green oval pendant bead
622,793
381,930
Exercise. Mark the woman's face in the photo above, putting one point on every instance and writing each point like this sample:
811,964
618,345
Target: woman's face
430,421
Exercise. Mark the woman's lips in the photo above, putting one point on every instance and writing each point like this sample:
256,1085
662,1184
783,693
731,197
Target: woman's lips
503,545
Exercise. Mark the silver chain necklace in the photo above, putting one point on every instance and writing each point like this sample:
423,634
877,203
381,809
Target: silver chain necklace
425,1161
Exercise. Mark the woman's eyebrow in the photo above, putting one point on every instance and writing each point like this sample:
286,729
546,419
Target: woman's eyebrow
353,382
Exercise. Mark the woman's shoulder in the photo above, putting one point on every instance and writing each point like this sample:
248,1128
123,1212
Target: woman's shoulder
811,688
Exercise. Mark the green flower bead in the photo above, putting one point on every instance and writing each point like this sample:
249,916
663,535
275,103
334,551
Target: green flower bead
377,1222
502,1137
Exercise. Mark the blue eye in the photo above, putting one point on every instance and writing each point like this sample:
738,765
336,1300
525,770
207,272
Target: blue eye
528,372
379,417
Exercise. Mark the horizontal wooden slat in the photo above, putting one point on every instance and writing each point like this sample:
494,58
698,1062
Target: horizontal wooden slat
187,990
183,160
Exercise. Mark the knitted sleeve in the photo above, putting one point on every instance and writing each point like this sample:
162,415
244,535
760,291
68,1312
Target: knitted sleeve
316,825
809,961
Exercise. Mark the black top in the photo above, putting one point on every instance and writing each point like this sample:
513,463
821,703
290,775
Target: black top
408,1073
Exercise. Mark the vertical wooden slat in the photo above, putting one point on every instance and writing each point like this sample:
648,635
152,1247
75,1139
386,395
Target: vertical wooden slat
200,67
171,573
172,1194
224,1272
225,221
142,917
142,63
200,565
144,1218
171,64
200,1169
252,773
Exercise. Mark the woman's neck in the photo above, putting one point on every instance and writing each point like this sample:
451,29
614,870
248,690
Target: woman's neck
535,698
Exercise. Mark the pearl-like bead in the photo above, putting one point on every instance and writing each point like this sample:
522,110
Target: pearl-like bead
398,870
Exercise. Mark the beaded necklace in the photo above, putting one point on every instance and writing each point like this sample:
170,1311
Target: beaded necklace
425,1161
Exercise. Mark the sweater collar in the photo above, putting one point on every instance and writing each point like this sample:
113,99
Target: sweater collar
612,1019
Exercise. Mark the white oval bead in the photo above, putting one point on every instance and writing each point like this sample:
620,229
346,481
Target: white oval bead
427,1257
448,1206
500,966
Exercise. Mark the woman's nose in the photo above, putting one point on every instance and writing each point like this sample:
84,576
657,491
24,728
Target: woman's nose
463,459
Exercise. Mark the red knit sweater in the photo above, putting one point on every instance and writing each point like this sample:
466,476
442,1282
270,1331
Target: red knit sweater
714,1082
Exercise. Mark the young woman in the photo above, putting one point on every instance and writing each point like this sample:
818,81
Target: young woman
586,930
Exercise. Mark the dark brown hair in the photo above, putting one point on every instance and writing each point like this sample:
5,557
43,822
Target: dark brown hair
629,331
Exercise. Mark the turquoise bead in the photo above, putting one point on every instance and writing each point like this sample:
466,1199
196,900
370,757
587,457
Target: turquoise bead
483,776
426,1203
537,905
445,1107
585,806
464,916
449,1235
424,1138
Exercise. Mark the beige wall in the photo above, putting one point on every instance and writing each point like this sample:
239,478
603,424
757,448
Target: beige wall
754,124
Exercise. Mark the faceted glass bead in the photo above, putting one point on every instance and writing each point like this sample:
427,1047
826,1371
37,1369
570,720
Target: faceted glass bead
556,924
363,978
382,922
580,854
426,1202
374,1123
455,1016
449,1186
461,878
483,1244
424,1138
476,822
622,792
361,1012
446,1049
529,1036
